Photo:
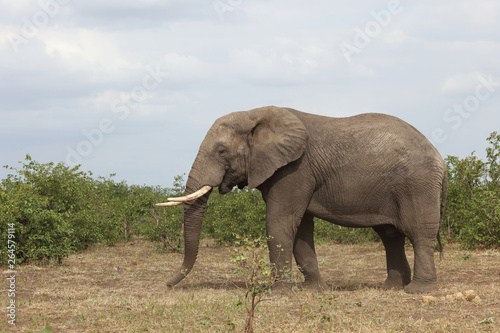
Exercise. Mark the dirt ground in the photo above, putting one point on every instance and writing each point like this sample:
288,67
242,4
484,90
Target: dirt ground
123,289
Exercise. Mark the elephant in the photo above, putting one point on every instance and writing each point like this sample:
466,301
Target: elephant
365,171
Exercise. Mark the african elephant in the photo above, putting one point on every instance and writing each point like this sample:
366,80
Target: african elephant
370,170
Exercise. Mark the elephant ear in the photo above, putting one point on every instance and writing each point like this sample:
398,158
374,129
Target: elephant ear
277,138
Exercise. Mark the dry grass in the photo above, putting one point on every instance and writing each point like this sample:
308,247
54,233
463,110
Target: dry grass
123,289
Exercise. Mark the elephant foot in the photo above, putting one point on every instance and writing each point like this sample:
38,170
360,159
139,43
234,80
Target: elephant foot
393,284
281,287
416,287
318,285
396,280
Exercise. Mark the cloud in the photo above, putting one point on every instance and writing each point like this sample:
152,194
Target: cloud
281,61
395,36
84,50
462,83
129,15
185,67
69,75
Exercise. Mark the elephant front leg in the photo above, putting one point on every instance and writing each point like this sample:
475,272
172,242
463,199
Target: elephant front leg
285,208
305,254
280,250
281,231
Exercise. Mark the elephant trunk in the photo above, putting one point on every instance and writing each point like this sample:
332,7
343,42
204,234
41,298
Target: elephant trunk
193,218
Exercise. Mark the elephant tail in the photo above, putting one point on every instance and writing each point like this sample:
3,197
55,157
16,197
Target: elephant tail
444,196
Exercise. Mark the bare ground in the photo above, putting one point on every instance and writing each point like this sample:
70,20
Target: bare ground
123,289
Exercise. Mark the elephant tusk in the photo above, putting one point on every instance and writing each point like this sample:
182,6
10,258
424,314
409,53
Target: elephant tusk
168,204
192,196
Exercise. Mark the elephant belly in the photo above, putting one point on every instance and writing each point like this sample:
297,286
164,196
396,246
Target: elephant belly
349,216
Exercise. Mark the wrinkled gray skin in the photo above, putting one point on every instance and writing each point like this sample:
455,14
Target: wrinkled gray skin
370,170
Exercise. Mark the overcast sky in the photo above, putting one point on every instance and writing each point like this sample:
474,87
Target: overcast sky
131,87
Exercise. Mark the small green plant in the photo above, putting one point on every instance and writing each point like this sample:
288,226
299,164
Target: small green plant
467,256
323,310
47,329
260,274
230,325
327,305
487,321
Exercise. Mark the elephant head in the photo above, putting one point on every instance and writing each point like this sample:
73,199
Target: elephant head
242,148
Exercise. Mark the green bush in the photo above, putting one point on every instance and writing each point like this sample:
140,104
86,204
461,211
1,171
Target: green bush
52,209
239,212
157,224
472,215
57,210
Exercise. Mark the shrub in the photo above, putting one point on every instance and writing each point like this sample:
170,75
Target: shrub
240,212
159,224
57,210
51,207
473,212
260,274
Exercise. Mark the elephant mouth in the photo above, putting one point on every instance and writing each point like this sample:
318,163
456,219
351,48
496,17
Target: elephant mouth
225,188
227,185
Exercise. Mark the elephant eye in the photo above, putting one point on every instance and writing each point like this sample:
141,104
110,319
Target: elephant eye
222,151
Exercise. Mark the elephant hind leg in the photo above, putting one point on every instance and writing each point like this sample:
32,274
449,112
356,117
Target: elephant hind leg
420,223
424,279
305,254
398,269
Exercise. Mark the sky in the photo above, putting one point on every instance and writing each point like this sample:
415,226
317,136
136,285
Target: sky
131,87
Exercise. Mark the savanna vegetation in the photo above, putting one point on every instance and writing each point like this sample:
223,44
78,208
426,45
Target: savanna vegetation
58,210
472,215
117,249
122,288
